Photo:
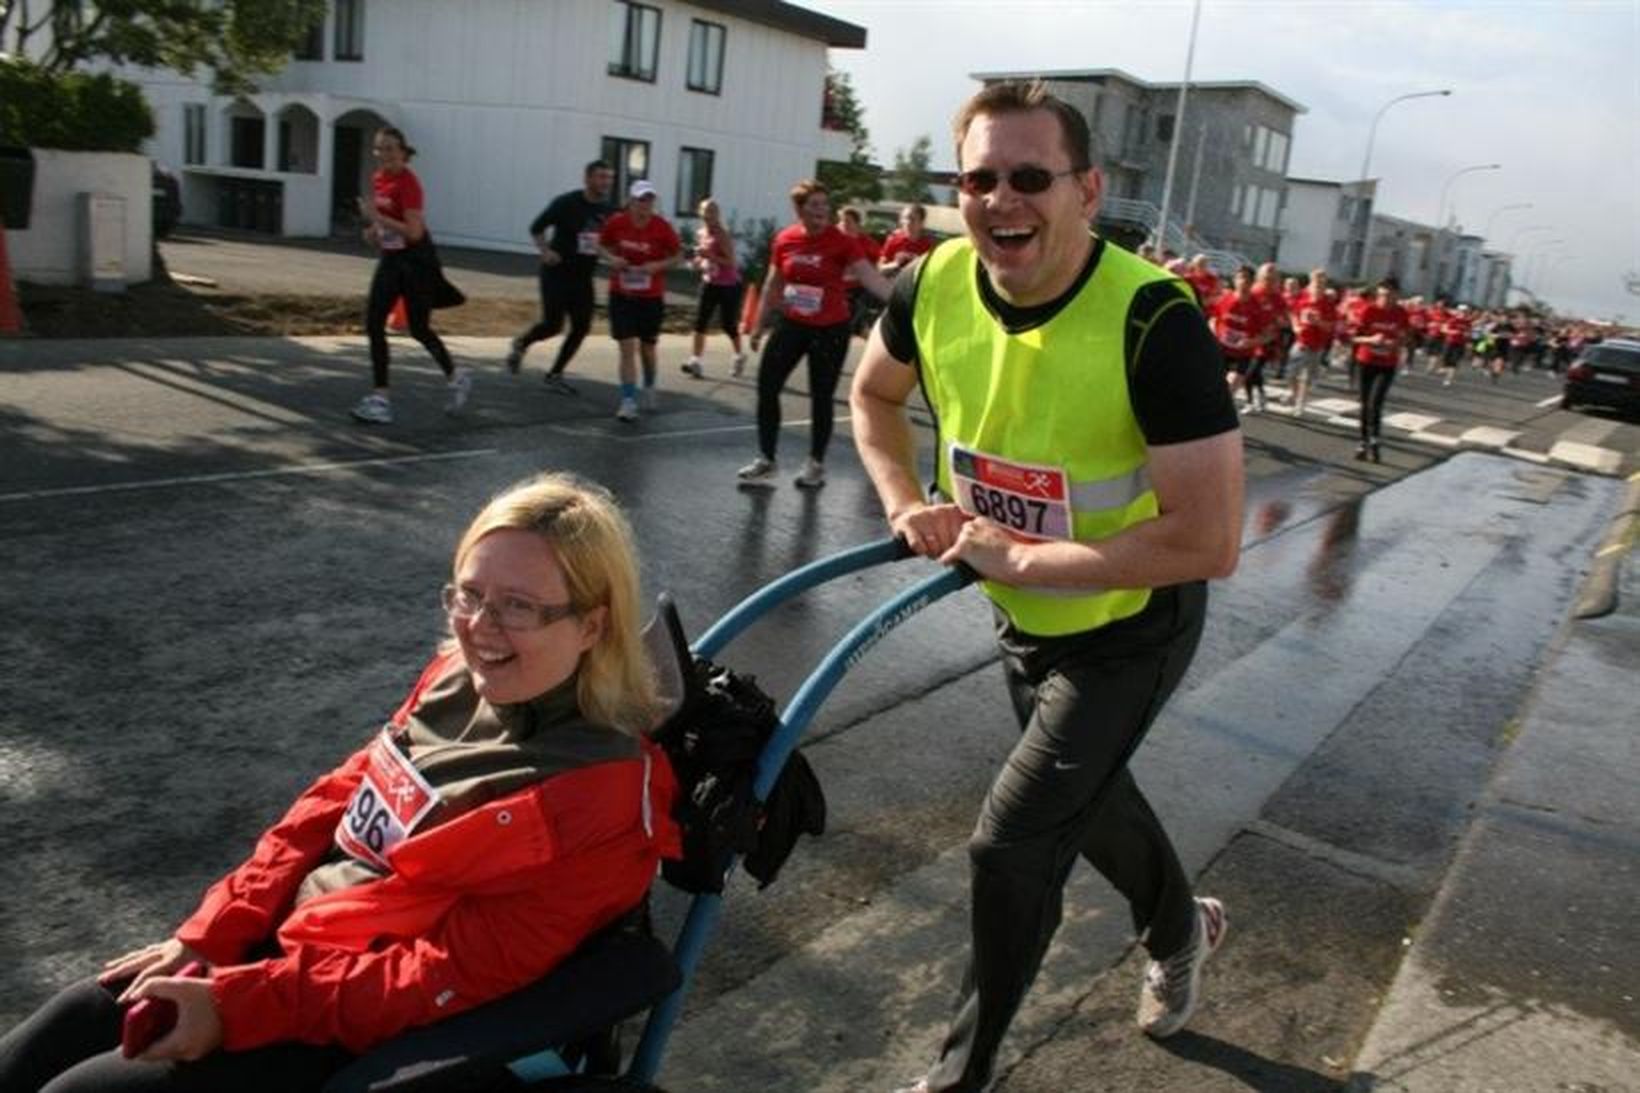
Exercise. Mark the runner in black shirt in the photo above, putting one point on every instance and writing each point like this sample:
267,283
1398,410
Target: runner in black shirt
568,261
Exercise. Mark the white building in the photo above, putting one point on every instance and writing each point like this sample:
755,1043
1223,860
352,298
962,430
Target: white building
1324,226
506,101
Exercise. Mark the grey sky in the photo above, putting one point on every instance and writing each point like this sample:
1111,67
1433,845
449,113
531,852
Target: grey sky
1551,90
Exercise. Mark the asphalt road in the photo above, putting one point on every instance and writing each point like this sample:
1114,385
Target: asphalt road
219,585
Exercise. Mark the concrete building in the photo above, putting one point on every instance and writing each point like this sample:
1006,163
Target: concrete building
1324,226
1230,179
506,101
1432,263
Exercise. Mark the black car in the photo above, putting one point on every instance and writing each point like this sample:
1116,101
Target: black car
167,202
1605,374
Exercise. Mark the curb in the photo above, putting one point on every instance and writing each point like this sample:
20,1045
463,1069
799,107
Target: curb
1598,595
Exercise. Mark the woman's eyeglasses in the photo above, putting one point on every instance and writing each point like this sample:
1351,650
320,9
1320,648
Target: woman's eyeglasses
508,612
1022,180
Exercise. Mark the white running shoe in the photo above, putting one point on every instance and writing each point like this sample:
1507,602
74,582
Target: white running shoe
628,410
1172,987
374,409
759,472
693,367
460,387
740,365
813,475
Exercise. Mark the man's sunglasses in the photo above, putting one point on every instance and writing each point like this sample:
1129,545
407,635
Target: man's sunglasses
1022,180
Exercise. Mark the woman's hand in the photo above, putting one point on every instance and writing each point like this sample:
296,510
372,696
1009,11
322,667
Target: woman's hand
929,530
367,209
198,1030
140,965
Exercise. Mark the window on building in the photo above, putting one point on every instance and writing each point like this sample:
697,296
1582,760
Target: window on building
1235,200
1246,196
694,179
1339,250
1269,202
312,45
1277,153
634,40
1261,137
706,56
630,158
349,30
1164,127
193,132
246,135
1346,209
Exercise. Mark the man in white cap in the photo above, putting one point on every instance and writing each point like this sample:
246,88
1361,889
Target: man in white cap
639,246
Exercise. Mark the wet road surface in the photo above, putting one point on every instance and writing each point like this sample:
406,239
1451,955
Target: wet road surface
185,657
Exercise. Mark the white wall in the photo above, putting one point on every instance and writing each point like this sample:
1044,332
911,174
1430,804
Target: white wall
506,101
1307,226
49,252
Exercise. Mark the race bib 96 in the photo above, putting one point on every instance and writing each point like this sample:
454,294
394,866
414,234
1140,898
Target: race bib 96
392,798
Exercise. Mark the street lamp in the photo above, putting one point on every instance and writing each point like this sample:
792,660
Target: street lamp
1486,233
1440,217
1366,164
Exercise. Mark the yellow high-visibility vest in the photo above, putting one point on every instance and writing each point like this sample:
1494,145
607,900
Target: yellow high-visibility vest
1053,398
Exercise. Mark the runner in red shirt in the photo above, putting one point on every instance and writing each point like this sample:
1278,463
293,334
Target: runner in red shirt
1380,335
1314,315
639,247
408,269
1273,353
1204,281
1243,326
1455,331
1429,342
906,242
805,302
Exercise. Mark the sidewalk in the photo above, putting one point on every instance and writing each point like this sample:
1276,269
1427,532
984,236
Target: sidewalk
1519,980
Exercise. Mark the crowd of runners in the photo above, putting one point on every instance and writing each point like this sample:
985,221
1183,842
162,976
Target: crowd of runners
828,276
1272,325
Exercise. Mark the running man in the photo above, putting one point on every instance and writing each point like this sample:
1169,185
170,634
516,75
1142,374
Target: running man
569,258
1094,479
640,245
1314,315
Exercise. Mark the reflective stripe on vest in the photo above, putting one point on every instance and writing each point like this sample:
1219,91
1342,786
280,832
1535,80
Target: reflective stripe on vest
1057,395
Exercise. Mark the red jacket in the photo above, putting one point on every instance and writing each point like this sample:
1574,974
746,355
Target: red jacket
473,908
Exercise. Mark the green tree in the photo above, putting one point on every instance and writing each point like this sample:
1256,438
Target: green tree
854,179
233,41
909,179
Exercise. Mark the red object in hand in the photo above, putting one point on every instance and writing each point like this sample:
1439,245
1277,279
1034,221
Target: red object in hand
148,1019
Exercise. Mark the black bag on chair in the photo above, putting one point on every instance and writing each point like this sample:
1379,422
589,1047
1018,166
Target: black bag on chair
713,741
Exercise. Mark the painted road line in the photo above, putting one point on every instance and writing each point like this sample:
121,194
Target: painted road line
615,433
1488,436
1338,407
1440,440
1412,423
1550,401
1526,454
241,476
1586,456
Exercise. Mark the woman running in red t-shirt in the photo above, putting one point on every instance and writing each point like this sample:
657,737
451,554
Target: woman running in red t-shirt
805,301
408,268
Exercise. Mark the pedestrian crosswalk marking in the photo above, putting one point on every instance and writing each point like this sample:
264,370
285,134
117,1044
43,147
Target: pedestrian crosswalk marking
1488,436
1587,456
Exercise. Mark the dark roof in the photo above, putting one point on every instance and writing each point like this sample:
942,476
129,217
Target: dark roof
791,18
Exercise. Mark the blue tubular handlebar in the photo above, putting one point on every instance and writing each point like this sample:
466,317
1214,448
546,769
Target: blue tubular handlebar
705,909
771,595
854,645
